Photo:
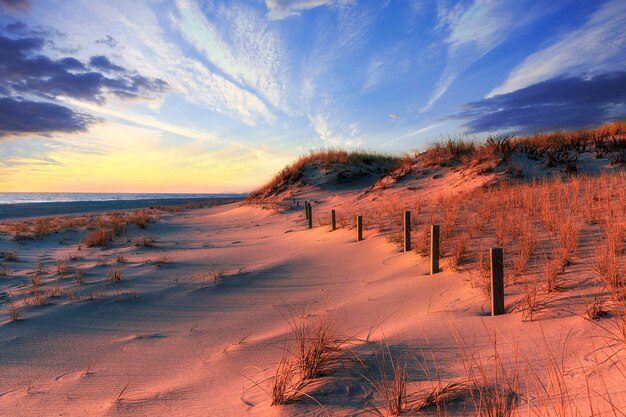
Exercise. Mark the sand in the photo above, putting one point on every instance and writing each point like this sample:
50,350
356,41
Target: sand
171,340
25,210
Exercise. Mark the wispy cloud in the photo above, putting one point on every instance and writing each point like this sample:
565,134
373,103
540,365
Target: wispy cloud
476,30
336,133
145,121
321,91
386,66
147,47
105,159
239,42
599,45
281,9
411,133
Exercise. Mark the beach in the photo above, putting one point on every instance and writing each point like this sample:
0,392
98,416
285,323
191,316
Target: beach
192,312
60,208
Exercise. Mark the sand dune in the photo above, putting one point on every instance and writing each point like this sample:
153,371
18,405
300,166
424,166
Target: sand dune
199,321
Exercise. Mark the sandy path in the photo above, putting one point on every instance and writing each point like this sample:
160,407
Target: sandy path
178,349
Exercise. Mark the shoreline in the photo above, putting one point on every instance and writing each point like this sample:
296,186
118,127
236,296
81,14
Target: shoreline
31,210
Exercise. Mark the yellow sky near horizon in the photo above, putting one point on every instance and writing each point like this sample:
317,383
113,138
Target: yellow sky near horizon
113,157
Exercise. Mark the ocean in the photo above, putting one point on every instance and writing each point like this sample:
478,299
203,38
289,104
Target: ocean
20,198
20,205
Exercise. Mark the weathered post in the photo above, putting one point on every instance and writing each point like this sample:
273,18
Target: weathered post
407,230
333,221
306,209
434,249
359,228
310,216
497,282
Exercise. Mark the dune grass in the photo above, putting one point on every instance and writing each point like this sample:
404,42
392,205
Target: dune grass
484,155
326,158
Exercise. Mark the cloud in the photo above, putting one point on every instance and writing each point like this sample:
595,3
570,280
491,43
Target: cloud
241,44
148,40
24,117
558,103
25,71
16,27
476,30
108,40
394,116
15,5
335,133
386,66
103,63
411,133
598,46
32,82
282,9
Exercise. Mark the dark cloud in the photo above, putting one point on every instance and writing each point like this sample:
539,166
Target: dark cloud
16,27
108,40
72,63
103,63
15,5
26,72
21,28
558,103
24,117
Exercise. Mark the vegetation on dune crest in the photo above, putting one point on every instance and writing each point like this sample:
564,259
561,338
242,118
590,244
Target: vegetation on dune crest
326,159
552,148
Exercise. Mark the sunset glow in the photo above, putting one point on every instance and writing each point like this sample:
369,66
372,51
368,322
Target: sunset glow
212,96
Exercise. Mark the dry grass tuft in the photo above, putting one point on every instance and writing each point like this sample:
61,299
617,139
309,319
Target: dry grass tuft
145,241
314,344
14,313
283,387
596,307
115,273
391,384
99,237
530,303
162,259
309,353
79,274
216,274
9,256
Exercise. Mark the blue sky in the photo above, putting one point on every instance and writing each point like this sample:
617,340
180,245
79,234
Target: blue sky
193,95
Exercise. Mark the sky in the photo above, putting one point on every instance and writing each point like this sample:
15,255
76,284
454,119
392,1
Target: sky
216,96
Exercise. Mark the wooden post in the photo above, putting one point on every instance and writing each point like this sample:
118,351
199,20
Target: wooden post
434,249
333,221
359,228
497,282
306,209
407,230
310,216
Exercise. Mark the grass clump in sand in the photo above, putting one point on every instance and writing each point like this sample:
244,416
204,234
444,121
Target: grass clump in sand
145,241
115,273
310,352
